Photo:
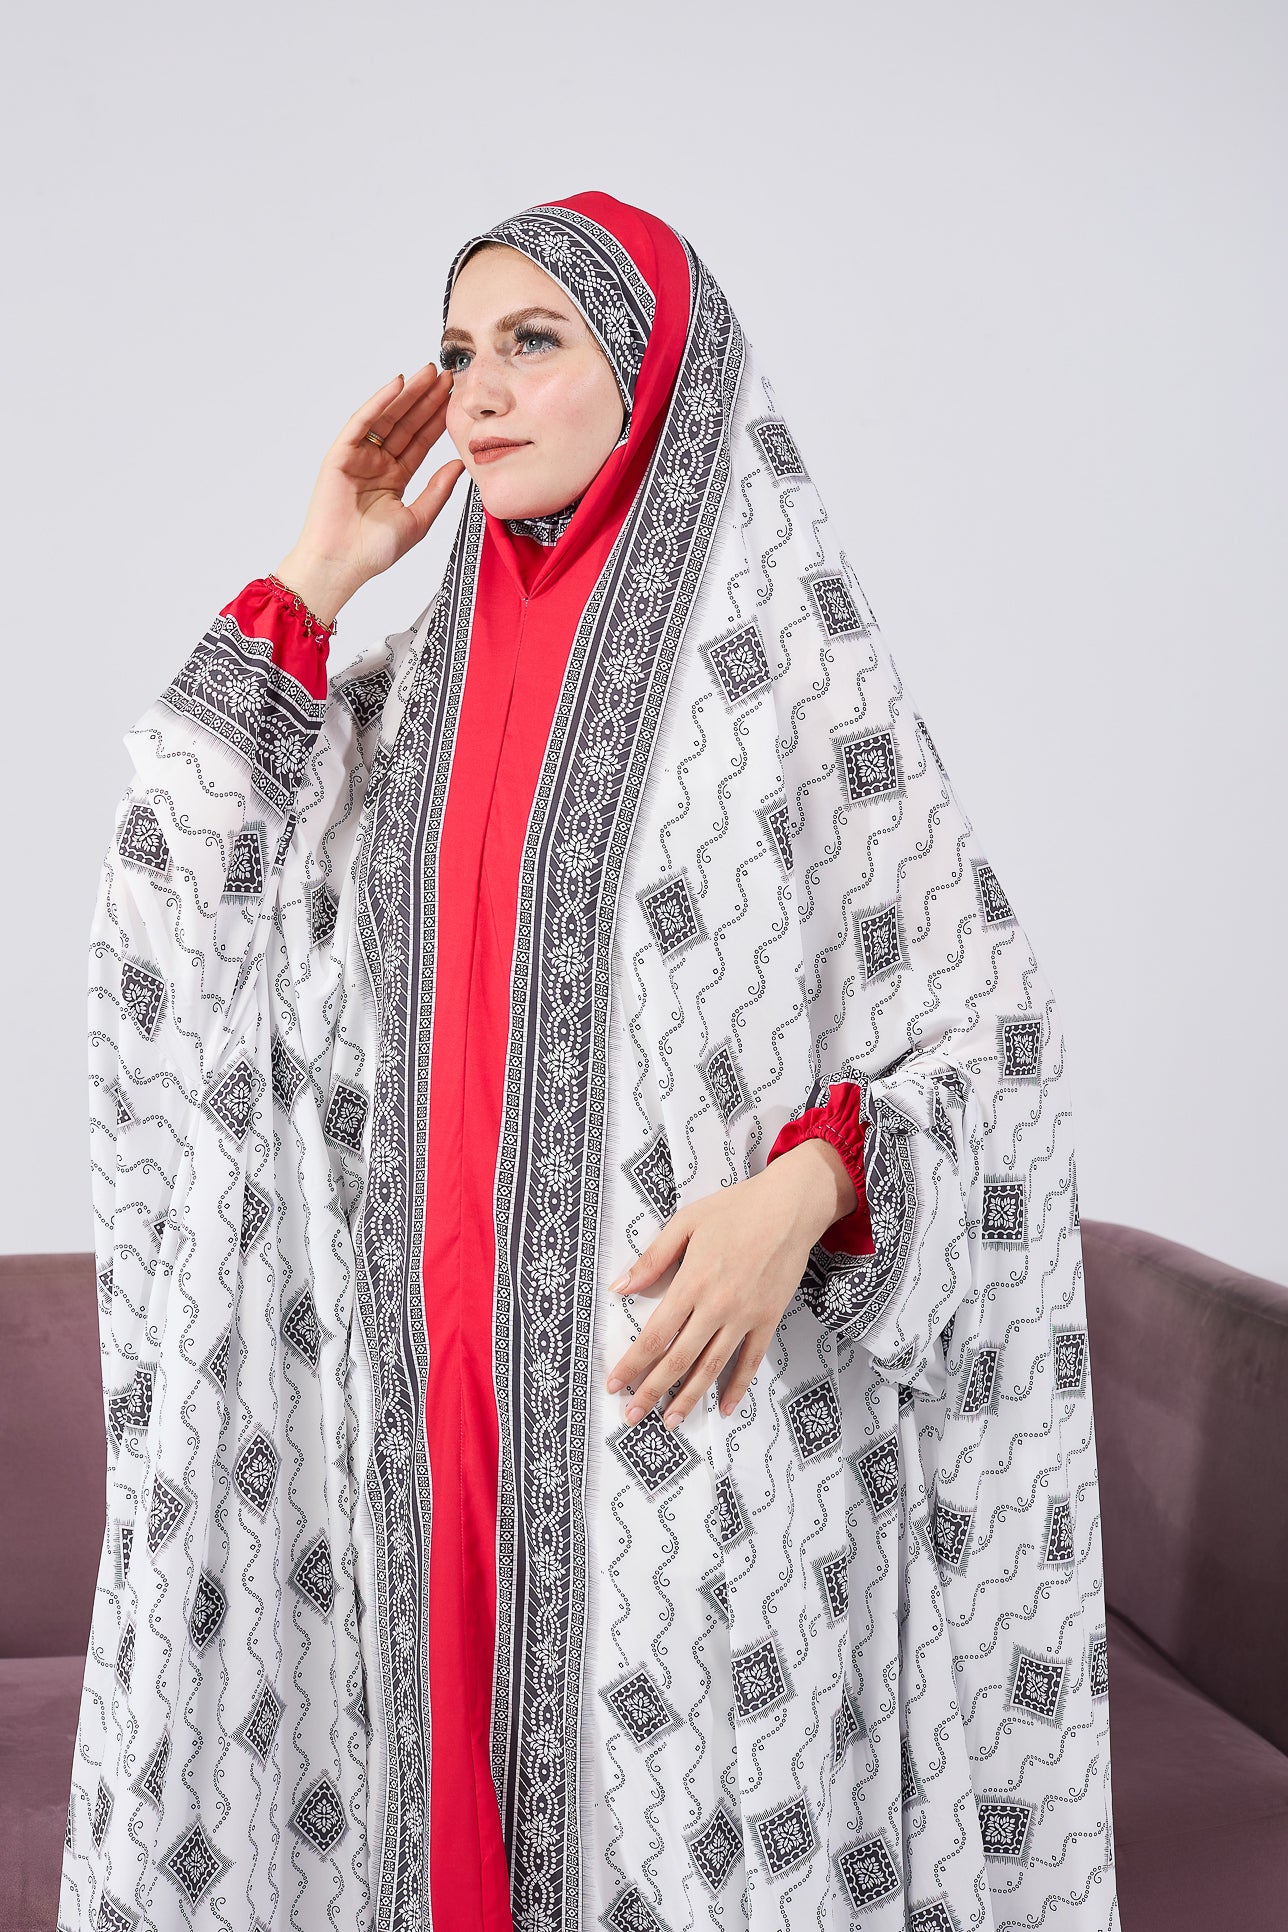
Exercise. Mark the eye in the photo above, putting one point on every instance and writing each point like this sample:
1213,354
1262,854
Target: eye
525,333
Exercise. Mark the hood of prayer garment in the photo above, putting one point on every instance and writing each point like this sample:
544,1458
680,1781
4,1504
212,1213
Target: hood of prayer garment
387,1573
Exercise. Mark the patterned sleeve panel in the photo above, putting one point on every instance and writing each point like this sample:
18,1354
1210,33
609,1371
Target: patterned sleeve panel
838,1120
202,831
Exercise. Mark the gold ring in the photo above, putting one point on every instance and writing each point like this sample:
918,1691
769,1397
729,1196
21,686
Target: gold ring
379,441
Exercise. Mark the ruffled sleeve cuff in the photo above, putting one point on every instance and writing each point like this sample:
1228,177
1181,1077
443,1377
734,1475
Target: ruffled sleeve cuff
840,1122
300,643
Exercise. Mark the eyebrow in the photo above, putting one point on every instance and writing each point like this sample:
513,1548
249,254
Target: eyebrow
505,322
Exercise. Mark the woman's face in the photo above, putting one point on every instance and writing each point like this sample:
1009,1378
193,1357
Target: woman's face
526,370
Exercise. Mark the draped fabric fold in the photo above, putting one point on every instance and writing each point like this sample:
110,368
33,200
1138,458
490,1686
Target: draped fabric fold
422,993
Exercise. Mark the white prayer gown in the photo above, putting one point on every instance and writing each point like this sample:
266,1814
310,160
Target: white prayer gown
837,1658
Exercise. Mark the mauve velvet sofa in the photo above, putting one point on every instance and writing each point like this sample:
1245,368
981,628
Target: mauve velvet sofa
1189,1365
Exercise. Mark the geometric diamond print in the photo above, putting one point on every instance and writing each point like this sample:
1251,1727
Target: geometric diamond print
778,447
1037,1685
1002,1224
656,1456
255,1471
319,1817
870,767
631,1912
313,1576
152,1777
194,1864
725,1081
672,915
209,1605
346,1116
653,1176
993,902
143,995
832,1573
878,1471
1069,1347
288,1074
301,1329
738,664
366,696
246,870
836,608
813,1419
1057,1541
165,1513
142,842
324,908
880,942
639,1707
112,1916
256,1210
868,1872
786,1836
102,1812
716,1849
934,1916
980,1386
1004,1825
232,1101
261,1722
760,1679
1020,1048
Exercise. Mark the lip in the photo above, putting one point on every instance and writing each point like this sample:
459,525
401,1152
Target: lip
487,452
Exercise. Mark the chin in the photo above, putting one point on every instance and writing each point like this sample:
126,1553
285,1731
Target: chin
503,498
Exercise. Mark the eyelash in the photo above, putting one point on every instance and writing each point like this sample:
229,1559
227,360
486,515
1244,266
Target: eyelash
524,333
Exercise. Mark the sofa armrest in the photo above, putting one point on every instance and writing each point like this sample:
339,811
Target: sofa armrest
1189,1363
53,1450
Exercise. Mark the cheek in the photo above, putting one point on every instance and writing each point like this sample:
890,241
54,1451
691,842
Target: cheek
578,411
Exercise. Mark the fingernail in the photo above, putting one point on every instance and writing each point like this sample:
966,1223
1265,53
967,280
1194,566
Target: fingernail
615,1287
614,1383
671,1418
633,1414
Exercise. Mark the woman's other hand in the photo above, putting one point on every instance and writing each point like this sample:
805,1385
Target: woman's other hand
742,1250
357,523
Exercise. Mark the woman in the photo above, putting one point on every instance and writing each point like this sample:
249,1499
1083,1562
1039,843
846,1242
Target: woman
619,918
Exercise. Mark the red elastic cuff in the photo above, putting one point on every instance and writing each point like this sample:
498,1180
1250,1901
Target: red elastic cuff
841,1125
299,643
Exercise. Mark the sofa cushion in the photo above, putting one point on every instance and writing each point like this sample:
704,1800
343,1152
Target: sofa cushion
1189,1365
53,1449
39,1705
1200,1801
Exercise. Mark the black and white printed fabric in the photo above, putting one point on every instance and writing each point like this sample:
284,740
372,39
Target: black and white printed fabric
837,1659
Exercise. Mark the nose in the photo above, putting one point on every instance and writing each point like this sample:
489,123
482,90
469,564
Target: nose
482,387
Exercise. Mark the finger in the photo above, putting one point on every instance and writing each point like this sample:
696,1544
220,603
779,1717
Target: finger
654,1339
661,1251
410,439
425,507
705,1371
427,383
368,414
383,409
683,1353
749,1359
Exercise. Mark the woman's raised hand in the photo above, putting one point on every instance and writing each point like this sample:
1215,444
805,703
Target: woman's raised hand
357,523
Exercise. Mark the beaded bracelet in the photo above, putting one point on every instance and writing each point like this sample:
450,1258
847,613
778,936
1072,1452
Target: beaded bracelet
311,623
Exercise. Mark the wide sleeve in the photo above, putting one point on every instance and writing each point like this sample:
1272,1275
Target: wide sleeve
228,1036
201,832
928,1015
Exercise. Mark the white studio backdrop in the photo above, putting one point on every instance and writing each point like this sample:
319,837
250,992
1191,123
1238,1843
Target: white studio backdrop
1017,278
